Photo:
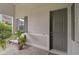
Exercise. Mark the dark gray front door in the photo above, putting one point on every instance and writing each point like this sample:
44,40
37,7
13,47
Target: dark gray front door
26,24
59,29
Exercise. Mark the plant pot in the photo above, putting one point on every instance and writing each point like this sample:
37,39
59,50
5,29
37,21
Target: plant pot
20,47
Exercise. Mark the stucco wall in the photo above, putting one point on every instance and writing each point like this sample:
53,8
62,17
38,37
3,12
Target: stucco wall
75,47
38,24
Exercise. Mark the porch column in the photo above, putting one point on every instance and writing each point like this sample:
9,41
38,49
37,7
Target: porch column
14,26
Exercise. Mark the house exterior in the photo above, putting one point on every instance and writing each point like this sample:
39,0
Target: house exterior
6,18
39,23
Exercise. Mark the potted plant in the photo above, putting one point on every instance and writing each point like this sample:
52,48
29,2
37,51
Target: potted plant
21,39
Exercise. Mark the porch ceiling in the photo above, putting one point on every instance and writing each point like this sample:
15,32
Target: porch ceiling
33,5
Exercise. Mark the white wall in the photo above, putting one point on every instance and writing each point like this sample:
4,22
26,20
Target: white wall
38,23
75,47
70,42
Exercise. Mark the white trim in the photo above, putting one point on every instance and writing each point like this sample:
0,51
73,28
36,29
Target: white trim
58,52
39,34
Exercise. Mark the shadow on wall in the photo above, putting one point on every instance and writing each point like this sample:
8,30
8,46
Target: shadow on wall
38,40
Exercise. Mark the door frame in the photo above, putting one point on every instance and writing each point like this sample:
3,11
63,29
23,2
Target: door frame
50,29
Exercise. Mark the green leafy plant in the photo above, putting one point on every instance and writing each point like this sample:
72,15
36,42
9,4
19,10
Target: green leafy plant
3,43
5,32
18,34
21,39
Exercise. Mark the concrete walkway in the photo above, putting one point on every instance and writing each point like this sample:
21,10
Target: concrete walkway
12,49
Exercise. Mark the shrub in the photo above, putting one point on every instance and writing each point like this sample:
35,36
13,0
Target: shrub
5,30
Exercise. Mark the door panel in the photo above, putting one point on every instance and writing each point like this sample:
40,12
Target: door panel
59,29
73,21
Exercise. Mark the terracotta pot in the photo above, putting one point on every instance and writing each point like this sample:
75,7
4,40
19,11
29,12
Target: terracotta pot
20,47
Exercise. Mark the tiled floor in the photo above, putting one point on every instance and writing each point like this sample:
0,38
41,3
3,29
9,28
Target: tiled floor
28,50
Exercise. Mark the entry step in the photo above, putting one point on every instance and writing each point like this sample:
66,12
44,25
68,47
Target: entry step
57,52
